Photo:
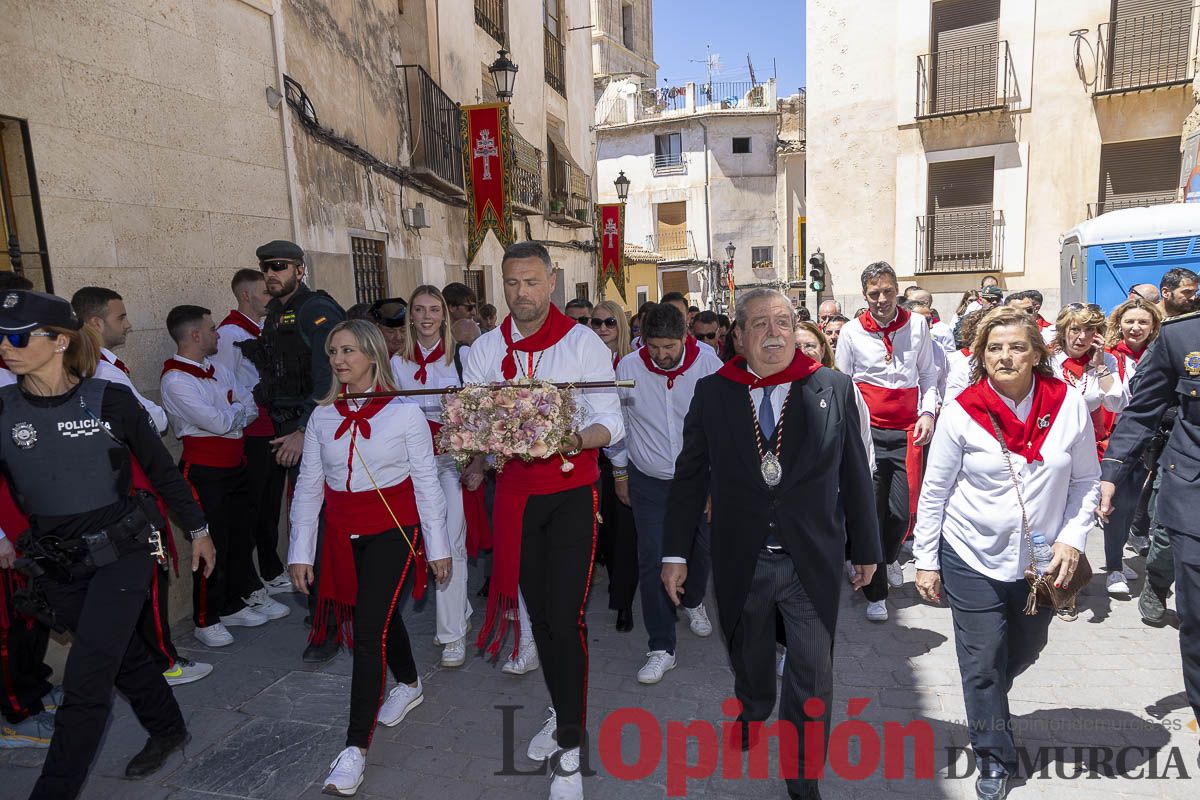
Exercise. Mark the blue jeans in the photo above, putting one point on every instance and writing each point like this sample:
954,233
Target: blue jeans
648,496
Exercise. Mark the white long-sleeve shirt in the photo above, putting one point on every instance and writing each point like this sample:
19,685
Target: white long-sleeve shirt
201,407
399,447
438,375
861,355
106,369
1114,400
230,355
958,375
968,498
943,336
579,356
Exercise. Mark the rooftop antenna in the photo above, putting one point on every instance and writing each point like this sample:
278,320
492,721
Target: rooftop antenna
712,62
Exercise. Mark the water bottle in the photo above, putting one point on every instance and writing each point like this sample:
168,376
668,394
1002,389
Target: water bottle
1042,554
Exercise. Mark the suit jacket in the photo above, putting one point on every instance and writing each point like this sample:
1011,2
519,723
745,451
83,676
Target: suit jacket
1167,376
823,459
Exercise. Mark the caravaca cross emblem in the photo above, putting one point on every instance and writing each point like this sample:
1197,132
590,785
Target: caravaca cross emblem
485,148
610,230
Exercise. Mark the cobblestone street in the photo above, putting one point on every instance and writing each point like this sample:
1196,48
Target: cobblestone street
265,726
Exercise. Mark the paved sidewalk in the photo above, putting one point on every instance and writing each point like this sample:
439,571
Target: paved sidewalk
266,726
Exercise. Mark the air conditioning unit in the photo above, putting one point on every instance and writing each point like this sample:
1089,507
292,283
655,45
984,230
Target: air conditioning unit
416,217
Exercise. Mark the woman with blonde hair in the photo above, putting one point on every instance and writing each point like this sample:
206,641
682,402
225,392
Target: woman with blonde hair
813,342
370,464
610,324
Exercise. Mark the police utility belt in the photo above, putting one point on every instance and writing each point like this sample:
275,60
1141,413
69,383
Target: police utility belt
77,557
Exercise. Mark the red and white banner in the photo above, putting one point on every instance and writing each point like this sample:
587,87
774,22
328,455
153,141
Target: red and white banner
610,230
487,173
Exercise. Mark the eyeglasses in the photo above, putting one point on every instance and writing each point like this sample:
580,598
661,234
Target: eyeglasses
609,322
21,340
274,266
709,336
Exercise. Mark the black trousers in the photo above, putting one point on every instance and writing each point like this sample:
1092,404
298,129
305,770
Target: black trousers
222,494
383,564
891,503
154,625
23,670
102,612
1186,546
558,543
617,542
1116,530
265,480
995,641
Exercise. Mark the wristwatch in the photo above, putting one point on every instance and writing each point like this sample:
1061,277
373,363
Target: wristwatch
197,534
577,449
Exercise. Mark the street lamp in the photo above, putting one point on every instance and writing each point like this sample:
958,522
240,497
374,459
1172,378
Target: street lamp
622,184
730,250
504,73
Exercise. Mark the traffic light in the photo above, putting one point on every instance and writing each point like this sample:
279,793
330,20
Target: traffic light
816,271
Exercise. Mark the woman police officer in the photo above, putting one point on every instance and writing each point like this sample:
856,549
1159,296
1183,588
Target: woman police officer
65,445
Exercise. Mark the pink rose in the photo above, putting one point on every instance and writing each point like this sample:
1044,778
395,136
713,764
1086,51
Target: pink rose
539,449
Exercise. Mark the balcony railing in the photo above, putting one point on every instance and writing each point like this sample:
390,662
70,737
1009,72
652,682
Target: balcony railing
731,94
435,150
1117,203
528,195
1146,51
669,164
963,241
662,100
570,201
964,80
555,65
677,245
489,15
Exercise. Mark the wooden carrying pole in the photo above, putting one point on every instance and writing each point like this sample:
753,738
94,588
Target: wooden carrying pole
455,389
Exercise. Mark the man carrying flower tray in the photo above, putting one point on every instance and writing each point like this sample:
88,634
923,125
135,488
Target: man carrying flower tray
544,518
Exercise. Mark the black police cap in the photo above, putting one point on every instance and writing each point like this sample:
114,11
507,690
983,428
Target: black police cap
280,249
26,310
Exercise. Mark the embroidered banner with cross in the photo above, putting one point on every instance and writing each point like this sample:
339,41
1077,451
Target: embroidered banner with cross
487,171
610,255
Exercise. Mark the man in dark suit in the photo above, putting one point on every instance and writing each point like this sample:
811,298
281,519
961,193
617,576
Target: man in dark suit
774,437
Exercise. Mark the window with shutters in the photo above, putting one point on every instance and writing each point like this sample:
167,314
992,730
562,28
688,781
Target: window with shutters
370,269
489,15
1146,44
671,240
958,231
553,46
674,280
968,67
1141,173
668,153
581,291
475,279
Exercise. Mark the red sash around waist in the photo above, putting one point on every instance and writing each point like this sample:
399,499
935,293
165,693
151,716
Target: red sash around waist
891,409
213,451
262,425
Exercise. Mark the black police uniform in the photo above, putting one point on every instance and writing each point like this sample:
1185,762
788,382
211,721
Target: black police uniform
1169,376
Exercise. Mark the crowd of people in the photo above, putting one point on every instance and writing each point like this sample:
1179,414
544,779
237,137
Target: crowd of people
771,453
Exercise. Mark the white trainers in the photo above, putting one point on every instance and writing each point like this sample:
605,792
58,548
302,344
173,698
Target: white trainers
895,575
877,611
187,671
247,618
567,783
261,602
698,620
213,635
1116,583
657,664
526,659
400,700
779,665
346,773
280,584
543,745
455,653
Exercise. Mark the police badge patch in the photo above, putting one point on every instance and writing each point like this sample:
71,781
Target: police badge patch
24,435
1191,362
10,300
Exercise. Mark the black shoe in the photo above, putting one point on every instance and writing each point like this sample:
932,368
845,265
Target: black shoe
320,653
1151,606
625,620
155,753
483,590
812,794
992,784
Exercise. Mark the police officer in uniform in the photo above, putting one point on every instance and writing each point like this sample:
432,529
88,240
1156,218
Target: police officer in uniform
1168,376
292,364
66,440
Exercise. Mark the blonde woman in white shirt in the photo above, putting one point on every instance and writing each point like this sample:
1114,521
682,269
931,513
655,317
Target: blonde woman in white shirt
969,534
371,465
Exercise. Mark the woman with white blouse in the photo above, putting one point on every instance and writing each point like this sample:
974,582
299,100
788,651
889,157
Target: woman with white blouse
969,533
370,463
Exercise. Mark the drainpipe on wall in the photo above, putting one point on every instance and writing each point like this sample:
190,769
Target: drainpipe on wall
289,152
707,216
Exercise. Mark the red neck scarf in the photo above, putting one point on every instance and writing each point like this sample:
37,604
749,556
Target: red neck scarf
966,351
871,325
1075,367
116,362
801,367
691,351
1041,323
422,362
173,363
556,326
240,320
356,421
981,402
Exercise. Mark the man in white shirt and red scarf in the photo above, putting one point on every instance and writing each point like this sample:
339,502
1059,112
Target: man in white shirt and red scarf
888,353
544,519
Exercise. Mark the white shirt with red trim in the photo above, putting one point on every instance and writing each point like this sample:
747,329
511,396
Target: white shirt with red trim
438,375
1114,400
107,370
968,499
230,355
861,355
201,407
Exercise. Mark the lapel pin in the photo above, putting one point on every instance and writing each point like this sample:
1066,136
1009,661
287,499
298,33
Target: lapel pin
823,403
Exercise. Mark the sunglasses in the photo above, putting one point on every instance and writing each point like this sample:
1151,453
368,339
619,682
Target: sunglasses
21,340
1089,306
467,306
581,320
706,336
274,266
597,322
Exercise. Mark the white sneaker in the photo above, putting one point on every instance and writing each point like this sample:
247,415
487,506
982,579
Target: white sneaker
780,664
698,620
187,671
214,635
1116,583
526,659
247,618
455,653
877,611
400,700
261,602
543,745
346,773
567,783
279,585
850,574
657,664
895,575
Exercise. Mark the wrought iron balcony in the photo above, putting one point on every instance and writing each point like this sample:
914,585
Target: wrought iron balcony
963,241
528,195
965,80
1117,203
669,164
570,201
489,15
435,150
555,63
1146,52
731,94
673,245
